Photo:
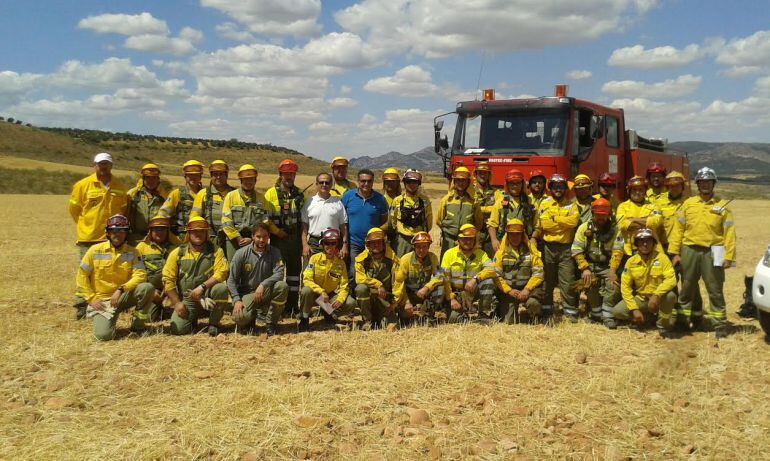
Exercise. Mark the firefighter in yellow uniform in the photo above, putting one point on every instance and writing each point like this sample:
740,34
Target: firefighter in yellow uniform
647,285
607,187
582,187
208,201
656,176
486,196
410,213
456,209
391,185
375,267
703,240
517,270
180,200
558,218
537,192
111,278
418,288
513,202
242,209
342,184
461,267
636,213
144,201
326,276
154,250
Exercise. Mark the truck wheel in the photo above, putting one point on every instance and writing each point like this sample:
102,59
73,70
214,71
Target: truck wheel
764,320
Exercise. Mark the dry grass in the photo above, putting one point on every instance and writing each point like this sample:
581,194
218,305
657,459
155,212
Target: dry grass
501,392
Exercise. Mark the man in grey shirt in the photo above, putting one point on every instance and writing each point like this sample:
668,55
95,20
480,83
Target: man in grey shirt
256,282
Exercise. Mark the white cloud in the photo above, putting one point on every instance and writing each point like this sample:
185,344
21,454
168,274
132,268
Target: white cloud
762,86
251,130
14,85
159,44
344,89
124,24
753,50
337,103
191,35
111,74
410,81
320,126
662,57
231,31
676,88
272,17
579,74
741,71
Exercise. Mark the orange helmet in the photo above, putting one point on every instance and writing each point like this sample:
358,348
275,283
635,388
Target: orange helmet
601,206
514,175
535,173
656,167
421,237
514,225
288,166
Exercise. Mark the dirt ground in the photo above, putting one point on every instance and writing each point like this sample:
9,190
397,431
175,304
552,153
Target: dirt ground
576,392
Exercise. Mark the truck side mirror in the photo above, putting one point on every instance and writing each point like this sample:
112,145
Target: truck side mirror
444,142
439,125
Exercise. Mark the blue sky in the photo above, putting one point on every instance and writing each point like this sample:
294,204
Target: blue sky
367,77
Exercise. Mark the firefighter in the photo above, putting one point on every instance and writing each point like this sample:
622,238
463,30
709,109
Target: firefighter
461,266
647,285
208,201
179,203
418,287
582,187
537,193
410,213
486,196
391,185
144,201
194,276
375,267
456,209
255,282
607,186
154,250
286,202
598,252
339,167
326,275
111,279
636,213
703,241
517,270
242,209
557,219
656,176
513,203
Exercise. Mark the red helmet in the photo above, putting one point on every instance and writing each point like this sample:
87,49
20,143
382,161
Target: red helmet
330,234
535,173
607,179
514,175
556,178
288,166
601,206
656,167
636,181
118,223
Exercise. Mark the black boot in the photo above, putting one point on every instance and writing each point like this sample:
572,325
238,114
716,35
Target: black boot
748,309
303,325
271,331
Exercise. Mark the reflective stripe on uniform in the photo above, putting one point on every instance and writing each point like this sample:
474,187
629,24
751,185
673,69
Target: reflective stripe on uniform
86,267
102,256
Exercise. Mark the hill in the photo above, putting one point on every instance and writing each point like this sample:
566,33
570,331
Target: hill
424,160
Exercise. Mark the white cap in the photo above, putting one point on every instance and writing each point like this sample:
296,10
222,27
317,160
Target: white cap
103,157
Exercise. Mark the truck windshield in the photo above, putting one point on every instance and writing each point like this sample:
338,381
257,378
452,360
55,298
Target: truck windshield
527,132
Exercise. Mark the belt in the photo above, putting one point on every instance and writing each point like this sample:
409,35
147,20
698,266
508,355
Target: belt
699,248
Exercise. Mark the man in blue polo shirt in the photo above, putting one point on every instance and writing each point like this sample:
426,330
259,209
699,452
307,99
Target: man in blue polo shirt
366,208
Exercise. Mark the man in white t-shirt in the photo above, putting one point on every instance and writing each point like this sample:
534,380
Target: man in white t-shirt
320,212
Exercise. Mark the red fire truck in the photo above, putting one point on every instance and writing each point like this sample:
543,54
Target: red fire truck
557,134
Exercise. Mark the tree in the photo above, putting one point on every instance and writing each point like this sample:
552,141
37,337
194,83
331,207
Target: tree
11,120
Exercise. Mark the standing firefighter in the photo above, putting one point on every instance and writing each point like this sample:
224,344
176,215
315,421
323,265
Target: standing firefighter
179,203
656,176
326,276
513,203
703,240
607,186
154,250
374,268
518,275
457,209
144,201
598,252
242,209
461,266
557,219
111,279
391,185
342,184
195,275
486,196
286,201
637,213
418,287
583,198
208,201
410,213
536,184
647,285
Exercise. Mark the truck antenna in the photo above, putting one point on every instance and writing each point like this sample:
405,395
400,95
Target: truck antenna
481,69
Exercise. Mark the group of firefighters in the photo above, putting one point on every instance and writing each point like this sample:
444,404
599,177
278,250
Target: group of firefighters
204,250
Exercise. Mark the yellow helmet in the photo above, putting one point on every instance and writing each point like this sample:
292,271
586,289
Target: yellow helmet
150,169
339,161
247,171
483,166
468,231
582,181
218,165
197,223
159,221
421,237
674,177
391,174
192,166
374,234
461,173
514,225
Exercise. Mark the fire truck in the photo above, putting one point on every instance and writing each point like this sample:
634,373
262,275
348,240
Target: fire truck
556,134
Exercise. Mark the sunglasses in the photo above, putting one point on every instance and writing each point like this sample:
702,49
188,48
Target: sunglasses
324,183
559,187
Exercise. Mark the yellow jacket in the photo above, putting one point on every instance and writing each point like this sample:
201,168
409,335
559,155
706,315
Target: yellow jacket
583,245
668,210
199,205
704,224
629,210
458,269
451,206
362,277
91,204
410,202
557,221
341,187
288,216
104,269
410,270
168,210
234,200
324,275
657,199
219,270
644,279
506,256
150,251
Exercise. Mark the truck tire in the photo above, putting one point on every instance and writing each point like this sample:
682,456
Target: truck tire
764,321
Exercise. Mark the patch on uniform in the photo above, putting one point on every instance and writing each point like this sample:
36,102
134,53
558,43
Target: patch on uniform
656,262
527,257
310,266
335,275
567,207
247,267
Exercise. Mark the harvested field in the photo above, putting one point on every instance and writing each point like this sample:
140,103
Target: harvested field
452,392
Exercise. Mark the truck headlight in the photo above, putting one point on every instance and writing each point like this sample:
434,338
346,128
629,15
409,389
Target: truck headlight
766,258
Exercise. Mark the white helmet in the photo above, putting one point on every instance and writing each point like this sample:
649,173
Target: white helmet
706,174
